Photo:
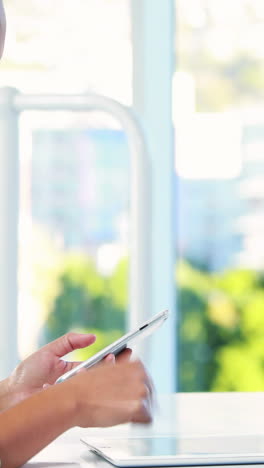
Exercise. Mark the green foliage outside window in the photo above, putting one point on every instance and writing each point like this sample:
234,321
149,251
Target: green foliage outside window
220,326
220,330
85,300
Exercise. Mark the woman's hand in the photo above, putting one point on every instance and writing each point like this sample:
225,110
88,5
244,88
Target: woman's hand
44,367
110,394
105,395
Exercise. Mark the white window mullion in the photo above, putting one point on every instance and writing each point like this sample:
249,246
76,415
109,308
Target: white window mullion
153,58
9,196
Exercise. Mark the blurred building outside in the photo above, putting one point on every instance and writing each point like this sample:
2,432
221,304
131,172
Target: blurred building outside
83,200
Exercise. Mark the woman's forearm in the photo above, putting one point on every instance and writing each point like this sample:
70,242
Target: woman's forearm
32,424
103,396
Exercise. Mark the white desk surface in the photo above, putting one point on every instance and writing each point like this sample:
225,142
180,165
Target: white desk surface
196,413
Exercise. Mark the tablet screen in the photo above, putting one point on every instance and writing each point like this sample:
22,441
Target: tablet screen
175,446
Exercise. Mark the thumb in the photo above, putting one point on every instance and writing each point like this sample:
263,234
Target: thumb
69,342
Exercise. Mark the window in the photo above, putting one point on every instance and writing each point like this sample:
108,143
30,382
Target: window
219,123
74,169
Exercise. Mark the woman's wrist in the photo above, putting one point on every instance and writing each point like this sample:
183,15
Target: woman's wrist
67,404
10,394
65,394
69,394
48,414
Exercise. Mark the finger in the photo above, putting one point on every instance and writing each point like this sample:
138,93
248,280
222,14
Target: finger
70,365
46,385
144,412
124,356
146,377
109,359
73,364
148,382
152,391
69,342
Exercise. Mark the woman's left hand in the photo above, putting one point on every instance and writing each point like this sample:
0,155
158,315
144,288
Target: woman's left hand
45,366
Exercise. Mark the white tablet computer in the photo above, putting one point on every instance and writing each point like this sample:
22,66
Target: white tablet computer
142,331
179,451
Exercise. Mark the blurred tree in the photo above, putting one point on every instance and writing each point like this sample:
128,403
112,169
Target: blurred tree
194,353
103,339
220,325
85,300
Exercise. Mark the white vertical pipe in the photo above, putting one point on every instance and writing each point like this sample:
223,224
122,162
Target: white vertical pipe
9,188
140,288
153,54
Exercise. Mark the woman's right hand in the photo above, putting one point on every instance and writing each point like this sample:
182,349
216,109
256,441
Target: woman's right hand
111,394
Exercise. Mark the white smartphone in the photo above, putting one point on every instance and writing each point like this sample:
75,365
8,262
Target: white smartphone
115,348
